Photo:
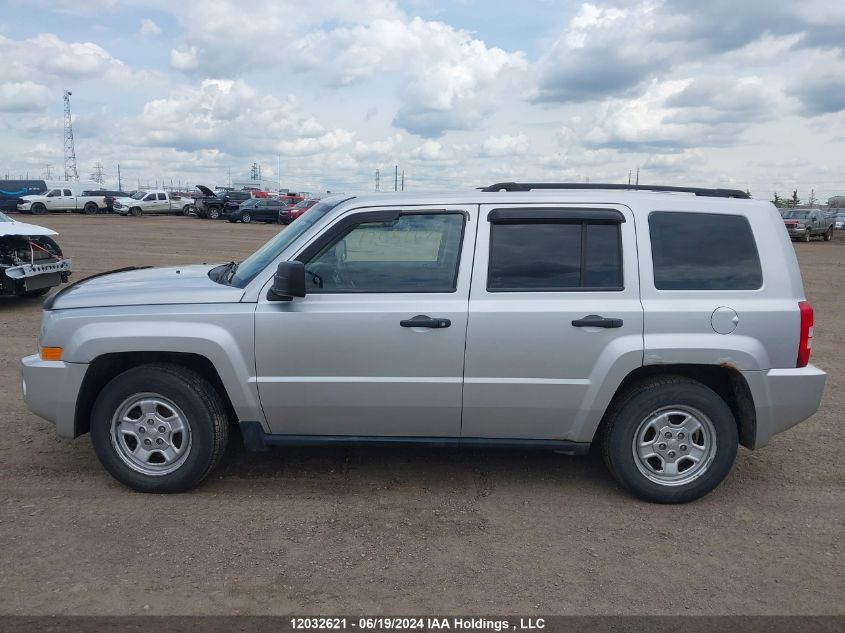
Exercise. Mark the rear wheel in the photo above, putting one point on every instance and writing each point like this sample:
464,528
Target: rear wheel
38,208
159,428
90,208
188,209
670,440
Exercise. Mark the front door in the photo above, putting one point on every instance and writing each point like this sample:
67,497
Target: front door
554,318
376,347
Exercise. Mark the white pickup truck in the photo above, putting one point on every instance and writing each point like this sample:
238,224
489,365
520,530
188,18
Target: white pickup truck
141,202
66,198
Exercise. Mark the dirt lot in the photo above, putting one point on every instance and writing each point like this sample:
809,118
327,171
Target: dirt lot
412,530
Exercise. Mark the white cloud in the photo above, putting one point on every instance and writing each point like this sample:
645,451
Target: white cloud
506,145
184,58
24,96
149,28
46,56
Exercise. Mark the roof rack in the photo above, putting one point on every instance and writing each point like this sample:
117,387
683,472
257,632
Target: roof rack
529,186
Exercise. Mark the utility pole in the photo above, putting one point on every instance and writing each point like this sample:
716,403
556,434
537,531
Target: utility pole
629,177
396,178
48,171
638,176
403,180
378,178
70,150
119,188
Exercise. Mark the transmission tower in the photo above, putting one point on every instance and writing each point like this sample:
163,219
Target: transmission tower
98,175
70,152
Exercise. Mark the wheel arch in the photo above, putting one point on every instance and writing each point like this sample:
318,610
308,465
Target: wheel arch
727,381
106,366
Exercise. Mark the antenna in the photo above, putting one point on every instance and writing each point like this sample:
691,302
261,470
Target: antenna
70,151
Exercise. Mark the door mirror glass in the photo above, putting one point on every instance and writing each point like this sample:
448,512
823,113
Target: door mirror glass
288,282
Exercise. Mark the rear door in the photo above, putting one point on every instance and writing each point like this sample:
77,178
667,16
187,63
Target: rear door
555,319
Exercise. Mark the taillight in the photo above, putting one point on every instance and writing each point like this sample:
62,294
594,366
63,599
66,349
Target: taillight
805,342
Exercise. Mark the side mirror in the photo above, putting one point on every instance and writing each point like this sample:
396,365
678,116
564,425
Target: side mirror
288,282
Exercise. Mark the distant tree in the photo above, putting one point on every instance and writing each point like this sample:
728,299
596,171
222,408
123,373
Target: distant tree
795,201
748,192
813,198
778,201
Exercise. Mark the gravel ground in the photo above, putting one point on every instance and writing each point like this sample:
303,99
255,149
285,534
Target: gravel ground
375,531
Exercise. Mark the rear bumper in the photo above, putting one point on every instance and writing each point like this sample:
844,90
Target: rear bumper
783,398
50,390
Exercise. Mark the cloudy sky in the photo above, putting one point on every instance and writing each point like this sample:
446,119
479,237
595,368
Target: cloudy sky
740,93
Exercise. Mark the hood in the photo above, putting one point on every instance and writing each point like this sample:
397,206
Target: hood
206,191
124,200
21,228
146,286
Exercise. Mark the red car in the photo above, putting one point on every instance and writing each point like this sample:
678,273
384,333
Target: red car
291,212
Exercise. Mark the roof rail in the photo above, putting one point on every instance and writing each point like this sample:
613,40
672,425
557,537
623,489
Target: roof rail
529,186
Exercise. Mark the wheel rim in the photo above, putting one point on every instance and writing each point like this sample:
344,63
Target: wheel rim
246,218
150,434
674,445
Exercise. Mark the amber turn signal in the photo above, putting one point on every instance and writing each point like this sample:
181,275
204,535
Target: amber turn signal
51,353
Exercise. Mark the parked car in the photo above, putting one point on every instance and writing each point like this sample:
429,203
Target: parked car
152,203
289,213
109,197
213,204
543,316
840,221
254,210
31,261
68,197
802,224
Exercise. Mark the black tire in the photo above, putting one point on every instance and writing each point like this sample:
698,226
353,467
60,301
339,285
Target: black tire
637,404
204,412
38,208
807,235
31,294
188,209
136,212
90,208
214,213
829,234
246,217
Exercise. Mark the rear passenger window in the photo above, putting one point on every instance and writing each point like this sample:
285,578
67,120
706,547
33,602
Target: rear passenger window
548,257
703,251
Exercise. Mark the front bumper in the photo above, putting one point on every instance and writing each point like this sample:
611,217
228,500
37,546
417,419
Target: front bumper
50,390
24,206
796,231
783,398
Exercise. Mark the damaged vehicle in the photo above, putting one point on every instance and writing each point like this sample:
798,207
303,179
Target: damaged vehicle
30,260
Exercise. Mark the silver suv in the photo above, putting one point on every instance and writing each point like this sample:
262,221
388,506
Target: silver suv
664,325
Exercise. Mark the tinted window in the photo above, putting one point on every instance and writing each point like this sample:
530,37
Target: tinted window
67,192
414,253
161,196
551,257
703,251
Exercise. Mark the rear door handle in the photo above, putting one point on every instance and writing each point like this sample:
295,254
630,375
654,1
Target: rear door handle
594,320
421,320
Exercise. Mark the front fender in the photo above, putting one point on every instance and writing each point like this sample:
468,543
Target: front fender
224,336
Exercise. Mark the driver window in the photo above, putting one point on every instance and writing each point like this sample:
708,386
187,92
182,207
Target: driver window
417,252
67,192
54,193
150,196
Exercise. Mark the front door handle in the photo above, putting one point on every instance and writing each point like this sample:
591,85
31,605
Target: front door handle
594,320
421,320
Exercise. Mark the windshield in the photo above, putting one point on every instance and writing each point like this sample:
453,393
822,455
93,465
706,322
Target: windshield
5,218
138,195
260,259
304,203
797,215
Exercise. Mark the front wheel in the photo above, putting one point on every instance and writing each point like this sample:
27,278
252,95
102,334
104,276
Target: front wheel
246,217
38,209
159,428
829,234
670,440
136,212
807,235
214,214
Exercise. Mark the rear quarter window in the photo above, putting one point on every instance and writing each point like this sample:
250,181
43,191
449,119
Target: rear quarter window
703,251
